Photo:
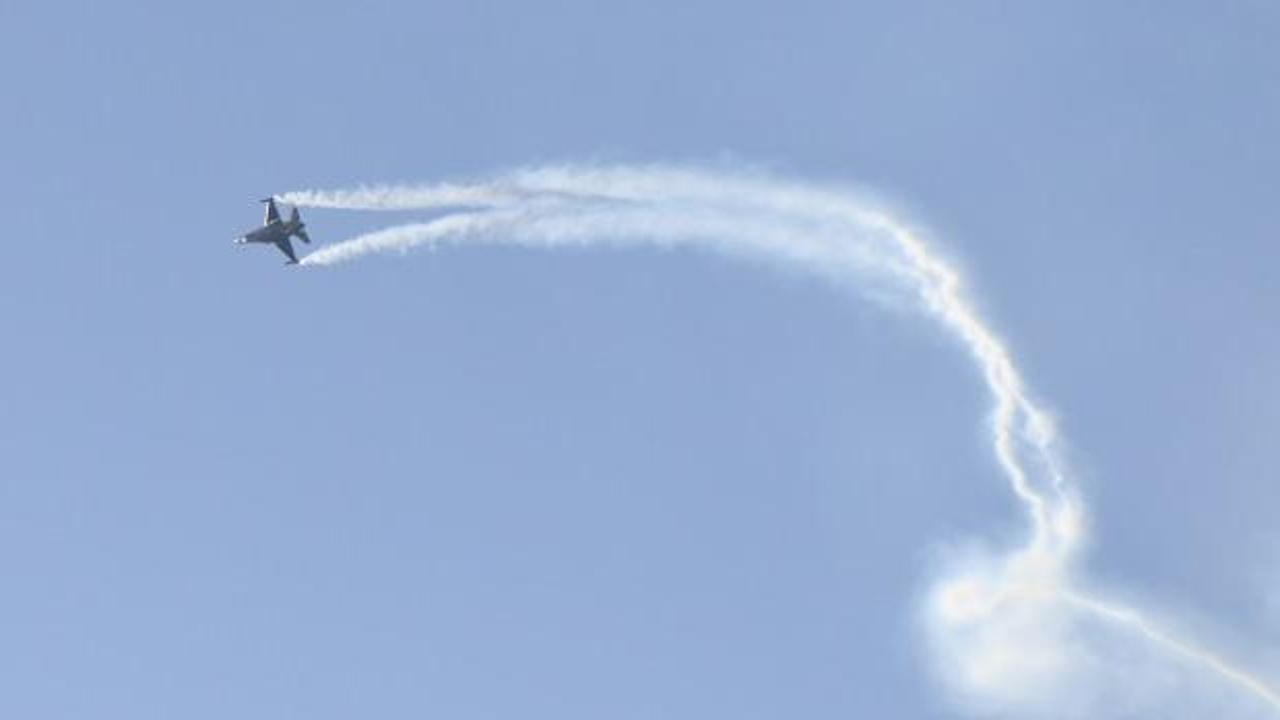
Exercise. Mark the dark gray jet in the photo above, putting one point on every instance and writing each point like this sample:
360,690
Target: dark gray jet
277,231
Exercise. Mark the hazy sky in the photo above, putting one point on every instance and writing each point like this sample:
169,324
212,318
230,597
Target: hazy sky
498,483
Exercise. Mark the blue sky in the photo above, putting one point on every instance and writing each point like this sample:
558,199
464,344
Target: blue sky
491,482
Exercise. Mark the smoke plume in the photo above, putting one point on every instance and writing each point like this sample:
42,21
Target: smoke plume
1012,632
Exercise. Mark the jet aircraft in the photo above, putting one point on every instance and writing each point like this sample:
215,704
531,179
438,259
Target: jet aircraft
277,231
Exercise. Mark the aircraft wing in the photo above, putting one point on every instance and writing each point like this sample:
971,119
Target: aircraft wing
273,215
286,247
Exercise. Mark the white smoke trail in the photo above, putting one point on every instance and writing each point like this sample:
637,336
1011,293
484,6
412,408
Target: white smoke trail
384,197
1002,629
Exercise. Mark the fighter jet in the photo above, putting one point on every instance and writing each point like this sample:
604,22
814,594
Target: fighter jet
277,231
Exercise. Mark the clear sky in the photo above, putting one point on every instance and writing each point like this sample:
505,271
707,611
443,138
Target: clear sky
498,483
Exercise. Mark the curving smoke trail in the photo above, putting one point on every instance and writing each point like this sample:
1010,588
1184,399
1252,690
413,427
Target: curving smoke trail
1012,632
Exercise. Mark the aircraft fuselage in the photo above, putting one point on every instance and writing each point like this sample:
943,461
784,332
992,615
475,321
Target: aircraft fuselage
273,233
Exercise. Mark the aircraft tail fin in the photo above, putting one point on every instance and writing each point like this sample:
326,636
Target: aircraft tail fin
299,227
